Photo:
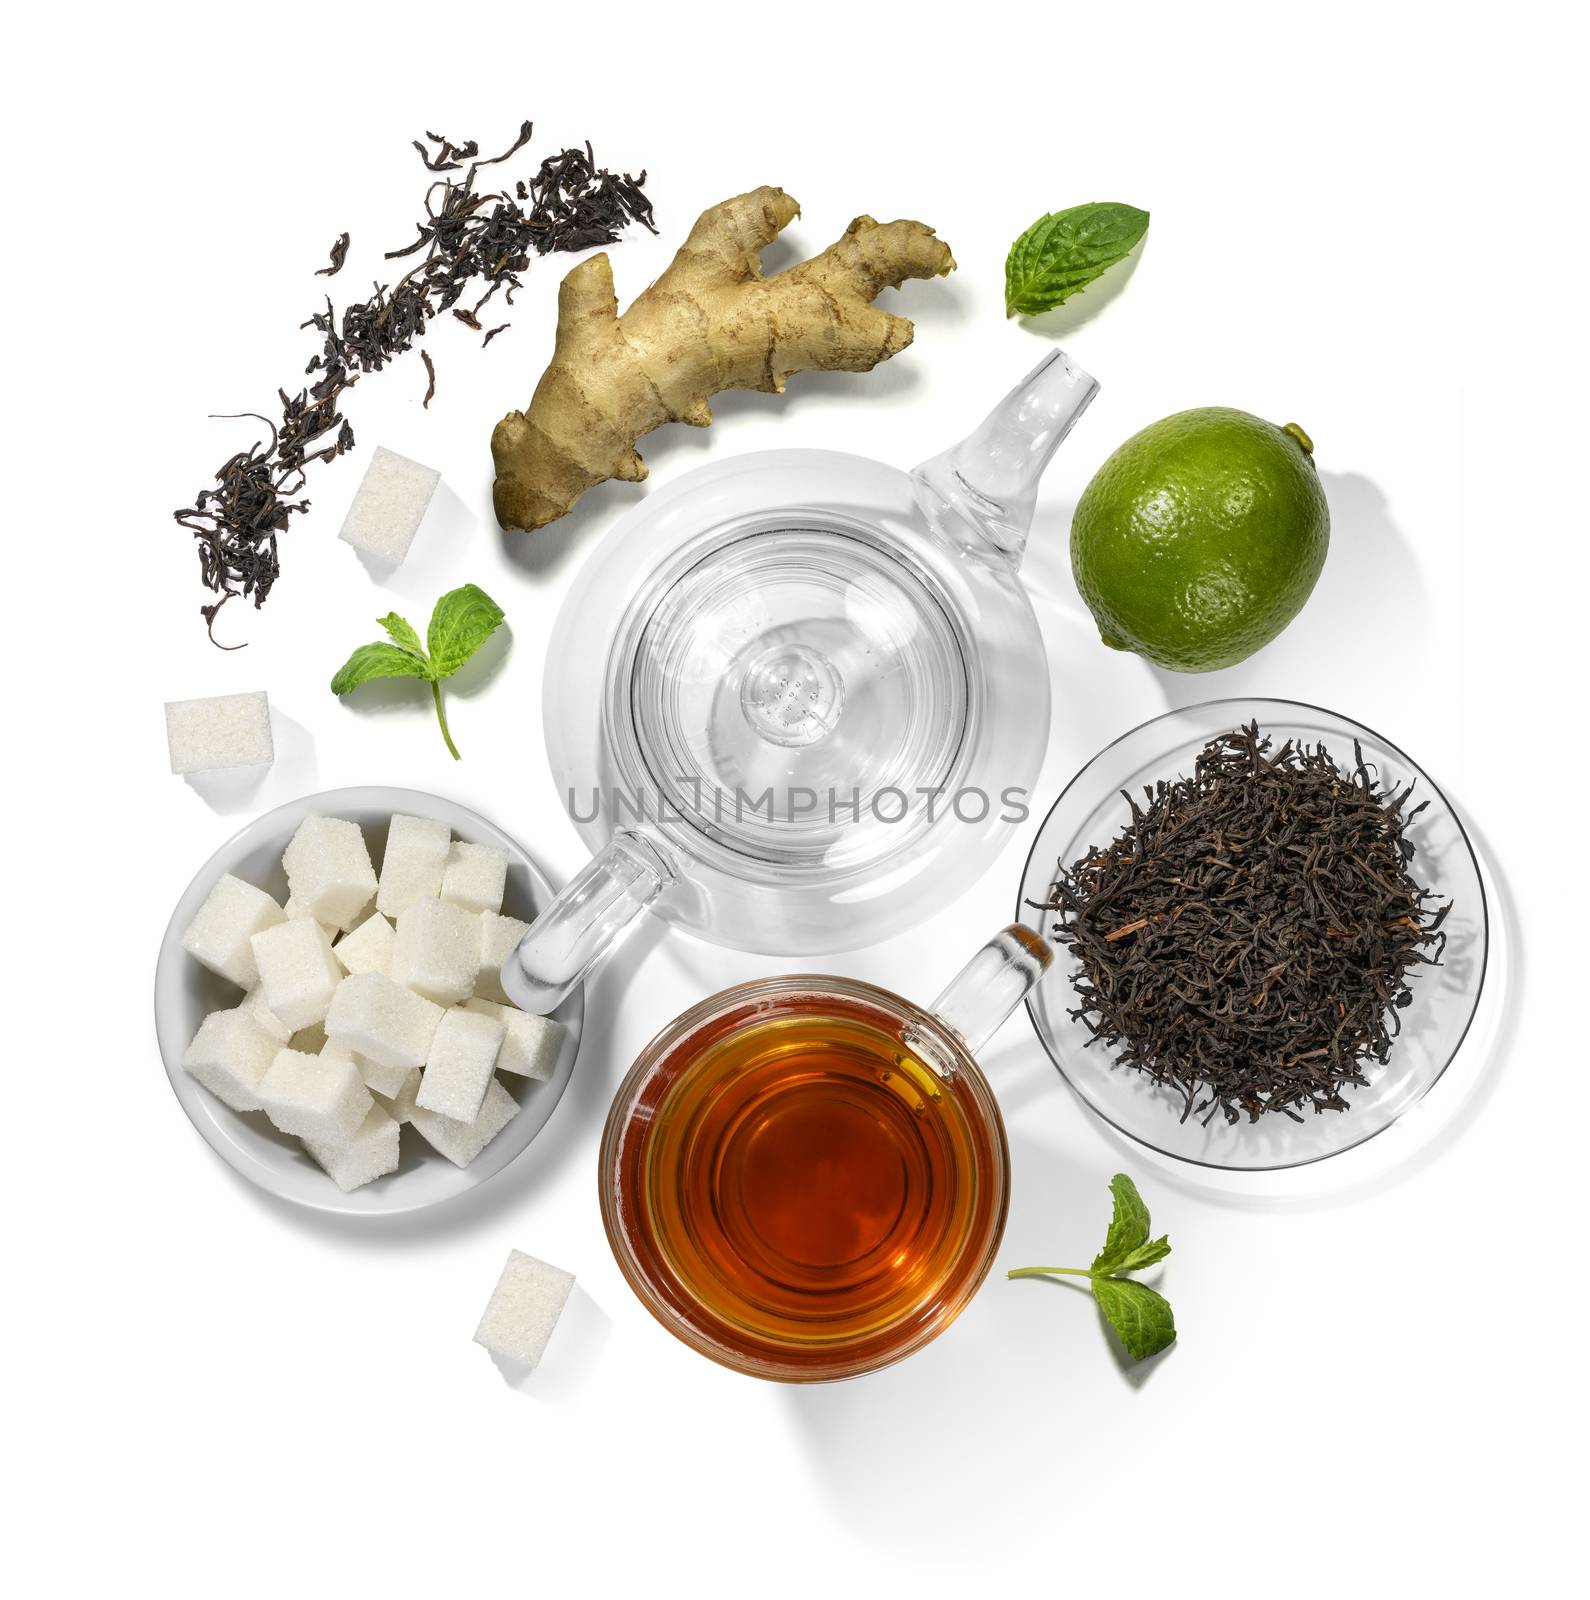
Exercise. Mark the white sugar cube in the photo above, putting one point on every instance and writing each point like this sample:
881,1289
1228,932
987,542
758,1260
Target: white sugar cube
459,1066
382,1021
379,1080
368,948
254,1007
499,936
530,1044
476,876
298,974
329,871
389,506
229,1055
400,1106
437,951
371,1153
524,1308
411,869
297,911
315,1097
218,937
225,730
461,1142
385,1081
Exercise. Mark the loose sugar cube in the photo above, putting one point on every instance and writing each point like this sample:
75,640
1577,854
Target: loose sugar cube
499,936
382,1021
298,974
389,506
218,937
524,1308
476,876
461,1142
368,948
226,730
370,1154
530,1044
329,871
411,869
437,951
229,1055
459,1065
315,1097
400,1106
254,1007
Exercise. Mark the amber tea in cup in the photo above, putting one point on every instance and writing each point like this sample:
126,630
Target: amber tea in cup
805,1178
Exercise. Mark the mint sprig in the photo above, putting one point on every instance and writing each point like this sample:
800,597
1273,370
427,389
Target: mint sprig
1141,1318
1062,253
461,622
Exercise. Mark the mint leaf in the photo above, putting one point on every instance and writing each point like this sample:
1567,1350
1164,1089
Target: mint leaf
1145,1255
1128,1226
1142,1318
403,634
462,621
376,661
1062,253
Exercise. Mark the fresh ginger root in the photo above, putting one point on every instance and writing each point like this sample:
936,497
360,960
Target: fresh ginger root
710,322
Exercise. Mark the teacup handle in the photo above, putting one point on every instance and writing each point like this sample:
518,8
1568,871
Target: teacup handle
992,984
599,905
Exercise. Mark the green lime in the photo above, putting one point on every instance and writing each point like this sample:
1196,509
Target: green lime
1201,537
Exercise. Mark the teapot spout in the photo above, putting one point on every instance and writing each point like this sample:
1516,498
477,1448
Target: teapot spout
980,493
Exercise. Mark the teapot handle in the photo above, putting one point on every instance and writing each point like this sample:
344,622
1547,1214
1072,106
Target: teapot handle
600,904
992,984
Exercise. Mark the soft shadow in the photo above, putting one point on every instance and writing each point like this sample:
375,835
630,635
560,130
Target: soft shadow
572,1356
544,551
1087,303
293,771
436,556
1370,577
232,790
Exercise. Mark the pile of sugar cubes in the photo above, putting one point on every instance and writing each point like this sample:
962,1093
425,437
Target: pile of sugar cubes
369,1002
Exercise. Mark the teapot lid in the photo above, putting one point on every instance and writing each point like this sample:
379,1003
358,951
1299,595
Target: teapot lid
778,668
814,681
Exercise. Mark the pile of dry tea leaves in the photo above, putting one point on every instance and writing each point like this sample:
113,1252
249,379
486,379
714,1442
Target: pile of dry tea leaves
468,240
1248,939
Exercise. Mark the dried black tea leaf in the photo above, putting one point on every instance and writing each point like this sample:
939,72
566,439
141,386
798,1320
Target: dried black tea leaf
1249,938
339,254
467,238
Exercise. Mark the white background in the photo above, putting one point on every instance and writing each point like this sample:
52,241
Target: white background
1368,220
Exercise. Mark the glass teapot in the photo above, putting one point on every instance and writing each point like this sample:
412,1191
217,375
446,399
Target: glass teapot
794,700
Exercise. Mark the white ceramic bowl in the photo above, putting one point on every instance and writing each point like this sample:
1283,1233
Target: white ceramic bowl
185,992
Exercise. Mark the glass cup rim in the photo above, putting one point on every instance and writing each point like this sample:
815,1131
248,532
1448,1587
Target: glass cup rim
1251,701
679,1030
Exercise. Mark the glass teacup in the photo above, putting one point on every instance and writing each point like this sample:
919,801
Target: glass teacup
806,1178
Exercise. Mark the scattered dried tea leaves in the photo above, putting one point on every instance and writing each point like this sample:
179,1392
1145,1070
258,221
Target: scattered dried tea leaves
1140,1316
1249,937
339,254
468,239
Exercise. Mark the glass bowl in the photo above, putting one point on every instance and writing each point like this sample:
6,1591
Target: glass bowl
1092,810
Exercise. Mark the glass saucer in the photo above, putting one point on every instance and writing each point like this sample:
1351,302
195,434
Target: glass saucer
1092,810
